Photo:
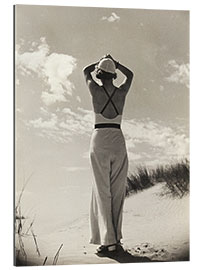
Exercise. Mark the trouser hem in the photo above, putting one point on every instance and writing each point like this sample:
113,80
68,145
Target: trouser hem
104,243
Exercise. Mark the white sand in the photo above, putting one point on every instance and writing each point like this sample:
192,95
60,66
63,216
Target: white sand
154,228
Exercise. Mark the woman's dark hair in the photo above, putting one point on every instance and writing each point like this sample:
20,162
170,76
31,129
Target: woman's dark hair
100,74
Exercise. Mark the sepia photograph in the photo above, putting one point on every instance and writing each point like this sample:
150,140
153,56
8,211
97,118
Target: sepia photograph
102,160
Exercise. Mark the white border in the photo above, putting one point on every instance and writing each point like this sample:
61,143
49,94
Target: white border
144,4
6,242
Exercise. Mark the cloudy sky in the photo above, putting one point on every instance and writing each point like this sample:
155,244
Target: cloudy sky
54,118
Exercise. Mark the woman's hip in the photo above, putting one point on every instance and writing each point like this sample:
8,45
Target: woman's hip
107,138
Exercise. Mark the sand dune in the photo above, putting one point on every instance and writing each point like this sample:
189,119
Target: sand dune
155,228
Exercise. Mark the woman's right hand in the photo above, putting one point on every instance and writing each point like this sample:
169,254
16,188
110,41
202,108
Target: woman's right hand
109,56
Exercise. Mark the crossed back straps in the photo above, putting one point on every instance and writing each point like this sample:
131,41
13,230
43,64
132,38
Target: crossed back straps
109,100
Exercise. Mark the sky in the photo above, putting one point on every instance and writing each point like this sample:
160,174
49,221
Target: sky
54,118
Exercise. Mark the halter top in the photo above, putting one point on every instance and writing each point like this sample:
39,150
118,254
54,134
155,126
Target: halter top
100,119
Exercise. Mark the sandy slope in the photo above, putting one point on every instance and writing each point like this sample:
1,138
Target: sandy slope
155,228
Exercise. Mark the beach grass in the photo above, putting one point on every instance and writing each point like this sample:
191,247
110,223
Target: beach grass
23,230
175,176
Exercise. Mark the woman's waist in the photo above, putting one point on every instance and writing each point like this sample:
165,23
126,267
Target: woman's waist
100,119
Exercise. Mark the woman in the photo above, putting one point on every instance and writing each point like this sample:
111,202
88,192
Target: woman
107,153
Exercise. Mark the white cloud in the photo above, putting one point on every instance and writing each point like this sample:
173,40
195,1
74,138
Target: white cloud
69,112
158,140
78,99
19,110
179,73
45,124
34,44
32,61
87,115
161,88
53,68
44,111
79,122
112,18
51,98
43,39
56,69
64,125
132,156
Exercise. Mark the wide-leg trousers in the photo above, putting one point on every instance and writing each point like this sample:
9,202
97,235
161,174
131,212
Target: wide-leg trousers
109,162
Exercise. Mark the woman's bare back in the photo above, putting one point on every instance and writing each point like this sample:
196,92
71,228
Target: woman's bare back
114,106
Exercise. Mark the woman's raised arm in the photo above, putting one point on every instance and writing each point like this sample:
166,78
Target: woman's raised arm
126,71
89,69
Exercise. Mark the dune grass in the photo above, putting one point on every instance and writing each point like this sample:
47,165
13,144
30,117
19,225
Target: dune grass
21,229
175,176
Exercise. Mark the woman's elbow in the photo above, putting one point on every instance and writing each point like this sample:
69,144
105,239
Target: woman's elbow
131,75
84,70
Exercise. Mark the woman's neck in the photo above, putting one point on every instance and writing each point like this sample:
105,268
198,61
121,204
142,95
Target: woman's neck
107,83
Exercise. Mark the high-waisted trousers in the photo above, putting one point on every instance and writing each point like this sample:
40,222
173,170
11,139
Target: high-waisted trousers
109,162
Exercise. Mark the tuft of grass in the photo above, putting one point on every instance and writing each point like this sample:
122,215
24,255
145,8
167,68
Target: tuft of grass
45,260
22,231
139,180
57,255
19,219
176,177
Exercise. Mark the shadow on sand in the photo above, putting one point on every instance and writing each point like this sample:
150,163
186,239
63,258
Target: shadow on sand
123,256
